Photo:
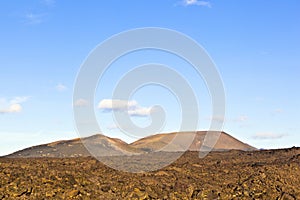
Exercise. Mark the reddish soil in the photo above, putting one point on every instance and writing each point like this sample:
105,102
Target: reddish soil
269,174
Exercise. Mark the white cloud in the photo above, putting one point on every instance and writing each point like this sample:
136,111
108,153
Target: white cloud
196,3
131,107
81,103
140,112
116,104
18,100
32,19
15,108
12,106
222,119
38,15
268,135
60,87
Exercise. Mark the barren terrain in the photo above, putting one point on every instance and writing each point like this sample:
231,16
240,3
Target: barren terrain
268,174
101,145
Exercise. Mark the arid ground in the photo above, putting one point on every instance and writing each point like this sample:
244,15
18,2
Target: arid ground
268,174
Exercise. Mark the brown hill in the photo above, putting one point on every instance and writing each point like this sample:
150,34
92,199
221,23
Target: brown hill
181,141
102,145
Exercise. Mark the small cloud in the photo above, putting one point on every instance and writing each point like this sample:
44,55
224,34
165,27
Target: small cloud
131,107
116,104
221,119
38,12
81,103
60,87
33,19
12,106
140,112
18,100
196,3
268,135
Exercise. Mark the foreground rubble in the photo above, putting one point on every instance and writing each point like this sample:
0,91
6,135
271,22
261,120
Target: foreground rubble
269,174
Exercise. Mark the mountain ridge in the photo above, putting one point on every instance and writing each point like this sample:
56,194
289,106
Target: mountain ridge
108,146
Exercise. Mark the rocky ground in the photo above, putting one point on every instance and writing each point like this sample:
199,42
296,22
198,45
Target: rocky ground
269,174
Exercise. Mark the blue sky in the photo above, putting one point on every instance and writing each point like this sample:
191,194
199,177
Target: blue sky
255,45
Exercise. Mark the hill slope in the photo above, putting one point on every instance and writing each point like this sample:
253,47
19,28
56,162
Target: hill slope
181,139
106,146
103,145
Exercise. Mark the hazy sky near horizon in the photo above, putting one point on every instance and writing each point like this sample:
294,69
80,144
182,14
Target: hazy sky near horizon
255,45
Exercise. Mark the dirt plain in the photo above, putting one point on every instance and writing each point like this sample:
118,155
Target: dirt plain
267,174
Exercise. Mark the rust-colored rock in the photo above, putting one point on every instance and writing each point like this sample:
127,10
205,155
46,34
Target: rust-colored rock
269,174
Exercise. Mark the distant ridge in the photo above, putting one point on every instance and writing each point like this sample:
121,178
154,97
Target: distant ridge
75,148
106,146
159,141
